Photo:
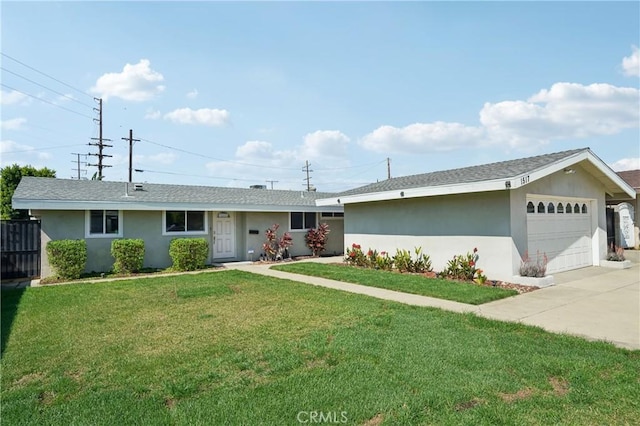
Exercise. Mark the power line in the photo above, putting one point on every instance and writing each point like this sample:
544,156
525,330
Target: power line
45,101
45,74
45,87
308,179
101,142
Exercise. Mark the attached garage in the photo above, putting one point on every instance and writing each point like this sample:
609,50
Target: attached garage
553,204
562,229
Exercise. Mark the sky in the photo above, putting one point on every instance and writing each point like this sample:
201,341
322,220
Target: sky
246,93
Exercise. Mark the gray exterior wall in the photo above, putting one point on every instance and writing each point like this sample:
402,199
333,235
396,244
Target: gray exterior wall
443,226
485,214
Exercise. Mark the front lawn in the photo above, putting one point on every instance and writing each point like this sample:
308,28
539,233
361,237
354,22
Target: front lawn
232,348
408,283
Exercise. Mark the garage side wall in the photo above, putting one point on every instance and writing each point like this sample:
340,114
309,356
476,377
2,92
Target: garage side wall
580,184
443,226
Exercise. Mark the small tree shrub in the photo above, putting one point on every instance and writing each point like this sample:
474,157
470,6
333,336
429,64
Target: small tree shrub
128,255
529,268
276,248
68,258
188,254
463,267
316,239
404,261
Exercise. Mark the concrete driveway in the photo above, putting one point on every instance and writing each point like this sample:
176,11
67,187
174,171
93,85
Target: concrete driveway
596,303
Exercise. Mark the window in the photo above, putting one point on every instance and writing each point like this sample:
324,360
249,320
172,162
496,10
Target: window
331,214
551,208
303,220
180,221
530,207
560,208
103,223
584,209
540,207
568,208
576,208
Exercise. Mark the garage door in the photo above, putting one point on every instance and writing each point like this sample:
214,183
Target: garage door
561,229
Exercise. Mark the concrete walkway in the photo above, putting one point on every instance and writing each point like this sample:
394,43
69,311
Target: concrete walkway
594,303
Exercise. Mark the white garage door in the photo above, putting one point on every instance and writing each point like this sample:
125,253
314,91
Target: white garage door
561,229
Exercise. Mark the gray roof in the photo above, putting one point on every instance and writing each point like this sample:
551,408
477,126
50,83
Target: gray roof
484,172
60,191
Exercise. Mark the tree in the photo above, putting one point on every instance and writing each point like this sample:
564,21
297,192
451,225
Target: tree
10,177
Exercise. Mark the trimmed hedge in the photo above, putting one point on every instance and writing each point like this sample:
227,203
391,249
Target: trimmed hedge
188,254
128,255
68,258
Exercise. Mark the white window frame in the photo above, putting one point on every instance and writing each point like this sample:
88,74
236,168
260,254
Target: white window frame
178,233
303,222
87,225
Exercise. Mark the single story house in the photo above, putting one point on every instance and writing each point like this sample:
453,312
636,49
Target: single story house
551,205
233,220
623,223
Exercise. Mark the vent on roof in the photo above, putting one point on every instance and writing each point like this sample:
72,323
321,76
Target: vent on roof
258,187
137,187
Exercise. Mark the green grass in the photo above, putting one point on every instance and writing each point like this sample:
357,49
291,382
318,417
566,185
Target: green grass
230,347
408,283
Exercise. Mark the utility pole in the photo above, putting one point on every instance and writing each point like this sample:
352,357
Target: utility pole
271,182
131,141
101,145
308,179
78,169
388,168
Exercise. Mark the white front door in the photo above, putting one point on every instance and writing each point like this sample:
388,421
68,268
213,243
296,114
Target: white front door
224,241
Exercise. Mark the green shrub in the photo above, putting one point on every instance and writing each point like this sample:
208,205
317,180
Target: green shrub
67,257
188,254
128,255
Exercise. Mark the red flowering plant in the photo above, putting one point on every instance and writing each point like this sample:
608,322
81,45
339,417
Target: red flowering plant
355,256
463,267
316,239
276,248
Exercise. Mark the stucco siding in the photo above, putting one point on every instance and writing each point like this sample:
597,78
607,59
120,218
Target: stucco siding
482,214
443,226
493,252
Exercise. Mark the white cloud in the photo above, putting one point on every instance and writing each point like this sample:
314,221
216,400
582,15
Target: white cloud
164,158
422,137
136,82
631,63
13,152
205,116
13,123
566,110
192,94
626,164
66,98
12,98
152,114
324,143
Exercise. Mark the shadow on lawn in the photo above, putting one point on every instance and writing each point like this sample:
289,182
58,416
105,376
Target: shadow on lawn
10,304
